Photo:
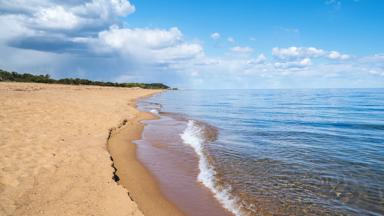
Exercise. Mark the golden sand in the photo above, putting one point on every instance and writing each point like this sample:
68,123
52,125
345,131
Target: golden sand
133,175
53,151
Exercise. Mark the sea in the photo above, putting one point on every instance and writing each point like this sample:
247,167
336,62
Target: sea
268,152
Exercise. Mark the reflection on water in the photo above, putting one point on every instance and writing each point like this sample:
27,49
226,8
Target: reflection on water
293,152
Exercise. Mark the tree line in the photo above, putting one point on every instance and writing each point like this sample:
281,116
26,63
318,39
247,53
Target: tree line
6,76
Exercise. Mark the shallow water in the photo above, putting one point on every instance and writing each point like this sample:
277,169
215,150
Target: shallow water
174,165
285,152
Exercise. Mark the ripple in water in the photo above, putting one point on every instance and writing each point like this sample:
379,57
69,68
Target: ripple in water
288,152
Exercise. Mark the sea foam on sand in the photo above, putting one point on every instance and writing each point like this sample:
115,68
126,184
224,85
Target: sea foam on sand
193,135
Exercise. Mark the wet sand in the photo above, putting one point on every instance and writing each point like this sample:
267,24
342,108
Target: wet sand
142,187
175,166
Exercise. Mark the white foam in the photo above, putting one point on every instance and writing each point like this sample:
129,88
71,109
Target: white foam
193,136
154,111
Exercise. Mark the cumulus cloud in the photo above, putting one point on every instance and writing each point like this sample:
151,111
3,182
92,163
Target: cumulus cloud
50,17
259,60
215,36
337,56
306,52
294,64
49,14
89,27
80,36
297,52
151,45
56,26
126,39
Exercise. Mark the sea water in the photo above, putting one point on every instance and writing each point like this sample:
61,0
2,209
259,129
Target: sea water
280,152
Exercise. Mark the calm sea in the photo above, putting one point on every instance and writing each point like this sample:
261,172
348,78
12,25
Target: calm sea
280,152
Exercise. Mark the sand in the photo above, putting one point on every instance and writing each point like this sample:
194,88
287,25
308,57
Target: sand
141,185
53,151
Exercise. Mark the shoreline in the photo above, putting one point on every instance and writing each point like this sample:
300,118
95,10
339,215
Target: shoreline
142,187
69,150
175,166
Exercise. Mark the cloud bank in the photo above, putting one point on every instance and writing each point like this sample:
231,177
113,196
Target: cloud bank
90,39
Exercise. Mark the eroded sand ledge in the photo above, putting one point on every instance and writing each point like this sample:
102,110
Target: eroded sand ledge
132,174
53,155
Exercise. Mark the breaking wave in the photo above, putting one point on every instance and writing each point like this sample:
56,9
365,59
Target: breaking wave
196,135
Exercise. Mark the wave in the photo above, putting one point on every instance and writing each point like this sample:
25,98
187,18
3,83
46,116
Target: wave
154,111
196,135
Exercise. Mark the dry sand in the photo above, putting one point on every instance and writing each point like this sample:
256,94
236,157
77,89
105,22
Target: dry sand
53,150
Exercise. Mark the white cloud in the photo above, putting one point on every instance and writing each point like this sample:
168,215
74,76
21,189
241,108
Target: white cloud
337,56
244,50
215,36
126,39
377,72
305,62
179,52
260,59
66,15
122,7
12,26
294,64
314,52
297,52
24,6
86,34
156,45
231,40
104,9
55,17
377,58
292,53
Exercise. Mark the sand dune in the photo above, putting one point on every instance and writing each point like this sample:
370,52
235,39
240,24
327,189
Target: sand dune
53,156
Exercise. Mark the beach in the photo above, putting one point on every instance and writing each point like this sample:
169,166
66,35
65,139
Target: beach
90,150
54,158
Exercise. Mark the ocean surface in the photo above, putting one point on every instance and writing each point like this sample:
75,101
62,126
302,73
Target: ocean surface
263,152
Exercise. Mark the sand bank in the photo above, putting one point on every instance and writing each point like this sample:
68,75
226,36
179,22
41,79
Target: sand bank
53,152
133,175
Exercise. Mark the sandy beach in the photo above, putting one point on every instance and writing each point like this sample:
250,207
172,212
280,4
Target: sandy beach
54,158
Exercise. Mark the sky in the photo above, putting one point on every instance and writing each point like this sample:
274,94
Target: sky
198,44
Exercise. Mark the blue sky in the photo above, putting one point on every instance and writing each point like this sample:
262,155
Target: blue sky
350,26
199,44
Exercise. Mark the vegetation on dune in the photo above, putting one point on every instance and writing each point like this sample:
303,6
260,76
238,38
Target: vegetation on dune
26,77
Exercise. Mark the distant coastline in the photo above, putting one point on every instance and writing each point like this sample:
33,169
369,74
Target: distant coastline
6,76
